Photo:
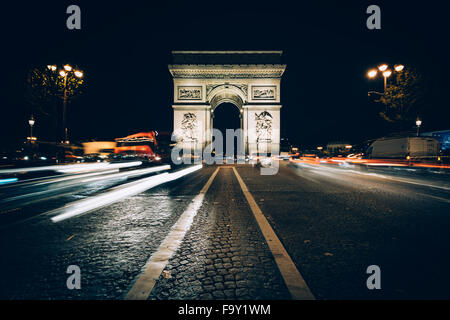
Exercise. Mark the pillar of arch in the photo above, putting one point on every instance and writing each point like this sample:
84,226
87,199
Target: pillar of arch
248,79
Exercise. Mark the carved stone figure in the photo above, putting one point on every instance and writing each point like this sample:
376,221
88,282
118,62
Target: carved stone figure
189,127
263,127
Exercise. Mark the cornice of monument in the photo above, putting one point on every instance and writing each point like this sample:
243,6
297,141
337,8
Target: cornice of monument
232,71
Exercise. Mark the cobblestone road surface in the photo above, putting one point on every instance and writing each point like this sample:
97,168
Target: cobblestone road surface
224,255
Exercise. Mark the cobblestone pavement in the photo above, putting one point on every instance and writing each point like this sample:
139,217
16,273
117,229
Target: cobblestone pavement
223,255
110,245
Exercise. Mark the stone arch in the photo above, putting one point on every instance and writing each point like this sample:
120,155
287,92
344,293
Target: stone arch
250,80
226,93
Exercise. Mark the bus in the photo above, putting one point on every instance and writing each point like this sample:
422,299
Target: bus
148,146
141,145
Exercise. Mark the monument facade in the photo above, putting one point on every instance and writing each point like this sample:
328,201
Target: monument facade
250,80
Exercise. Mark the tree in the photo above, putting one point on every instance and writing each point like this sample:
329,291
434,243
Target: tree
45,90
403,98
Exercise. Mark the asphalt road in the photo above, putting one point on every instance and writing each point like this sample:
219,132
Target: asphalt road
333,221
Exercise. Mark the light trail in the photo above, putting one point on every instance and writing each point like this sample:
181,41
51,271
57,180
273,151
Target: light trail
133,173
71,168
6,181
72,177
117,194
327,171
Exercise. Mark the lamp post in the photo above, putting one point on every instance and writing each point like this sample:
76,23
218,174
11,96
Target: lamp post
386,72
65,73
31,122
418,124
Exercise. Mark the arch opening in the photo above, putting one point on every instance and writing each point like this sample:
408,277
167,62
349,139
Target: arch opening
227,115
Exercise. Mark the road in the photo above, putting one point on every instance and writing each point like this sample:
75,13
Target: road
333,221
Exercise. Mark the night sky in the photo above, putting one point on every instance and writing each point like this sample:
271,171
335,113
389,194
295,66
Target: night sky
124,51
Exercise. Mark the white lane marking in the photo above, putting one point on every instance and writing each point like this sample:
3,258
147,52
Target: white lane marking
294,281
127,190
143,286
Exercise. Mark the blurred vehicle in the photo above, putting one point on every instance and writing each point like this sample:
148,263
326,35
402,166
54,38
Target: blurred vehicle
140,145
150,146
403,148
93,157
27,158
309,154
355,156
164,146
284,155
69,156
103,148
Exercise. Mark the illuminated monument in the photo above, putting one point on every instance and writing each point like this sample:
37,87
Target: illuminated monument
250,80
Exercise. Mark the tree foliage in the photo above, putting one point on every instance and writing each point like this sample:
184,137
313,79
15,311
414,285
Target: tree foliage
45,89
403,98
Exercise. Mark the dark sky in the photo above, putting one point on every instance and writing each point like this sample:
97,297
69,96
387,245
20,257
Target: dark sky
124,50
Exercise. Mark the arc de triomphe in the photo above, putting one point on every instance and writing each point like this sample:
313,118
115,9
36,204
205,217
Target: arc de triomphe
248,79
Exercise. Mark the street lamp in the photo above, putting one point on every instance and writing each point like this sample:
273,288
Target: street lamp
372,73
65,73
383,67
418,124
386,72
399,67
31,122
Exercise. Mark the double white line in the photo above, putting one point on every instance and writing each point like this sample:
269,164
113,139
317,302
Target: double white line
145,282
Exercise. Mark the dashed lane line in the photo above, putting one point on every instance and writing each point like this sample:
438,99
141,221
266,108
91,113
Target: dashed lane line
143,286
293,279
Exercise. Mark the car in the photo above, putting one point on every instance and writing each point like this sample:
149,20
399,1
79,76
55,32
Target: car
93,157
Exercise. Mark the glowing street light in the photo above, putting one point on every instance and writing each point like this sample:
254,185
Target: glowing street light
31,122
65,73
372,73
418,124
383,67
399,67
386,72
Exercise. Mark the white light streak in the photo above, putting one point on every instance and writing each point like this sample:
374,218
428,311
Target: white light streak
133,173
119,193
69,168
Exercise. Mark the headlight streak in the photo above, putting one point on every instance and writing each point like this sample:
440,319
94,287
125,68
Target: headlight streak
134,173
96,166
5,181
327,171
75,177
71,168
119,193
